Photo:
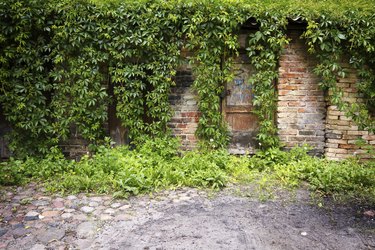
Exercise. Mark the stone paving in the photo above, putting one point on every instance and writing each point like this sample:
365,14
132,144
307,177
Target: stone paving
178,219
30,219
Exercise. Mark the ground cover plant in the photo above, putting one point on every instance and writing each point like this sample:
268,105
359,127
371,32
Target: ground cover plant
159,164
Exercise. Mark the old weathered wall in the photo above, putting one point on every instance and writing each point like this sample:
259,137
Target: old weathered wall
341,132
304,114
301,108
184,104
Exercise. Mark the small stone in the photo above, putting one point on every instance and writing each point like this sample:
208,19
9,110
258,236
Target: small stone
69,210
122,217
45,198
116,205
51,213
87,209
32,215
50,234
3,231
38,225
97,212
80,217
369,213
303,233
18,225
93,204
38,247
19,232
96,199
86,230
125,207
109,211
184,198
39,203
58,204
66,215
3,245
83,243
350,230
105,217
71,197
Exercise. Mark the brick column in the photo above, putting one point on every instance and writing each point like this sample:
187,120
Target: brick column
342,132
183,99
301,104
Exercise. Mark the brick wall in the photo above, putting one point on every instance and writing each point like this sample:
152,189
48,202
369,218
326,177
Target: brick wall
184,104
303,115
301,104
341,132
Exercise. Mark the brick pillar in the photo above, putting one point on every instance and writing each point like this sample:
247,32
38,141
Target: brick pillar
342,132
183,99
301,104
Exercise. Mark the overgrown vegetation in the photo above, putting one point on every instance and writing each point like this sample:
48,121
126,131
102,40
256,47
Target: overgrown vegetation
158,164
62,63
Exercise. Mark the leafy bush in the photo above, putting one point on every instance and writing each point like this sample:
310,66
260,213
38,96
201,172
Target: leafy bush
158,164
154,164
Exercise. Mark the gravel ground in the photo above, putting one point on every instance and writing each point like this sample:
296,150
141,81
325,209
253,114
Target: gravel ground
180,219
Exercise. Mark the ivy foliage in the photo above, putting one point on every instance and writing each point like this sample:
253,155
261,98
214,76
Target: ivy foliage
62,63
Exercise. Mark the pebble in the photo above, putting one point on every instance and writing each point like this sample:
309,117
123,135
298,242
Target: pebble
87,209
125,207
116,205
93,204
38,247
96,199
109,211
83,243
105,217
19,232
50,234
369,213
3,231
32,220
66,215
40,203
86,230
71,197
32,215
58,204
80,217
51,213
122,217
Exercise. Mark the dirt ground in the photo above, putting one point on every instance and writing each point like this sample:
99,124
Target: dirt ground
183,219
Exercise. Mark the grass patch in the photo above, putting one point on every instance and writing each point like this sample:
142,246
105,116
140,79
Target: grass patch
158,165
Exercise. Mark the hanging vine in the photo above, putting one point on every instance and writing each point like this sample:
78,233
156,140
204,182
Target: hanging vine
330,42
264,49
59,58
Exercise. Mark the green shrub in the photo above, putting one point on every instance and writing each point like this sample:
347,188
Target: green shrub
158,164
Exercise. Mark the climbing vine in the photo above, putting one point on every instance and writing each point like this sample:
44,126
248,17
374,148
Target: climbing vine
62,63
211,33
333,44
264,49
